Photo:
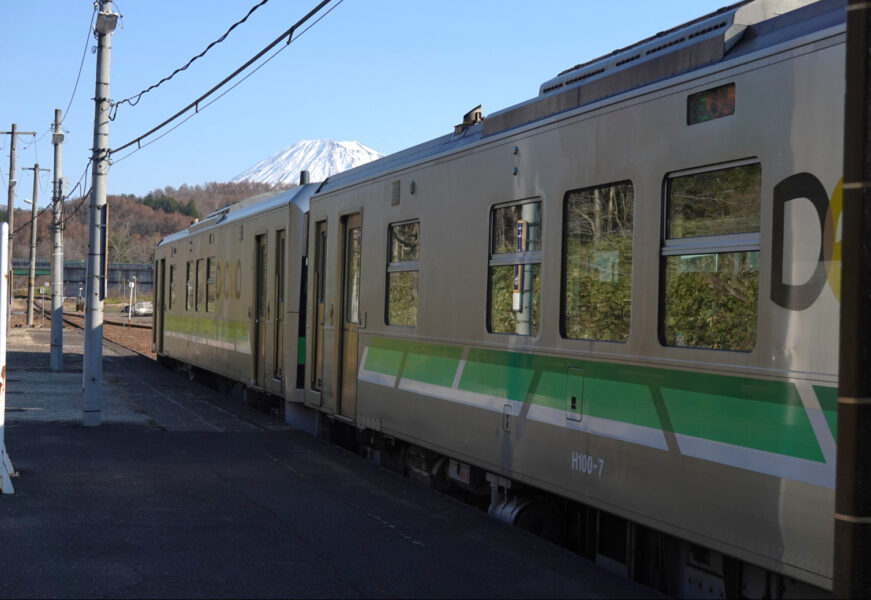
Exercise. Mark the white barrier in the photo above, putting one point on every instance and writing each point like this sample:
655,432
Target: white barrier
6,469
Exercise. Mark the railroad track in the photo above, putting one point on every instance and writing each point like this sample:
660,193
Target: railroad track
78,320
116,330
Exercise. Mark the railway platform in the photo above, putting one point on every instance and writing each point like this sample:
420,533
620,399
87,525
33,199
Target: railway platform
180,493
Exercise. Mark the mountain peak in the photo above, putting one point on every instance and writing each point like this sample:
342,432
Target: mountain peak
321,158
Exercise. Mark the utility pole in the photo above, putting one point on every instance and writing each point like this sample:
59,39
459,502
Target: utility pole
10,208
35,214
92,371
57,251
852,577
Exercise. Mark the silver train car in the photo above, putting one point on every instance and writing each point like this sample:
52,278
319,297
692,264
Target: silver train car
612,309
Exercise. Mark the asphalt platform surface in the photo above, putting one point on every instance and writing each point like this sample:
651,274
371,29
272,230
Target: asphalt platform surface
180,493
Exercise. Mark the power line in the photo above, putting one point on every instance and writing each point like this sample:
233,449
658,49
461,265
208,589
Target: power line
31,220
75,87
81,203
195,104
81,64
228,90
134,99
84,177
2,175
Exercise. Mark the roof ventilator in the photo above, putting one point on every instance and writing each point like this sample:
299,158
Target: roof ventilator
473,117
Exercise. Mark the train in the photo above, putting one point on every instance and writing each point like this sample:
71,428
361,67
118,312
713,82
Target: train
609,312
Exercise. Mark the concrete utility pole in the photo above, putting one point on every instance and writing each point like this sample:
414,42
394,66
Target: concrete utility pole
57,251
35,214
852,577
10,207
92,371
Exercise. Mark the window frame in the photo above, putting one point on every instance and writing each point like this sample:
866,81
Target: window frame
407,266
200,289
189,286
717,244
171,287
506,259
563,324
211,284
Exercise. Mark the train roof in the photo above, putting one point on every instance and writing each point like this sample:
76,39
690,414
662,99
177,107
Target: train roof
727,34
252,205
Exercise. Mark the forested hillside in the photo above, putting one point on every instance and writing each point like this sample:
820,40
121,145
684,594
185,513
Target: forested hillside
136,224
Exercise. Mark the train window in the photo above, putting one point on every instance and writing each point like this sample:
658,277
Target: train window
201,285
189,287
211,284
353,251
402,274
514,277
171,287
710,258
597,262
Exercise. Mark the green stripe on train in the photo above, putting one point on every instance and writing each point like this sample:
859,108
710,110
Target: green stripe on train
828,398
210,328
752,413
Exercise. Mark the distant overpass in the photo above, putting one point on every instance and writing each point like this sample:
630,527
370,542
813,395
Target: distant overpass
75,272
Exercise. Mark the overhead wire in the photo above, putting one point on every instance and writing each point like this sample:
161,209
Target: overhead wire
63,207
75,86
84,177
196,103
35,140
228,90
81,64
134,99
2,175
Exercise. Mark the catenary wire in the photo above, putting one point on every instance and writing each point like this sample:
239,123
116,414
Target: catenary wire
222,94
81,64
63,201
195,104
75,87
134,99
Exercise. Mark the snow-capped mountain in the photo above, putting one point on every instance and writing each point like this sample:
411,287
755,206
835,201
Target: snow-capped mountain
321,158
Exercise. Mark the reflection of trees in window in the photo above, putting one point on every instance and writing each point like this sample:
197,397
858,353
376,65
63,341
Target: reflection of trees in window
711,259
503,316
710,300
514,278
171,287
597,276
719,202
402,274
211,284
201,284
352,282
189,287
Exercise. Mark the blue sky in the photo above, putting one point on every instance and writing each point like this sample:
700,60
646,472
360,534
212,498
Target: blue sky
387,73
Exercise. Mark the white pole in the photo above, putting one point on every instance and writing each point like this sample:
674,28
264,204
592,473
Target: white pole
92,361
130,308
57,252
6,469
